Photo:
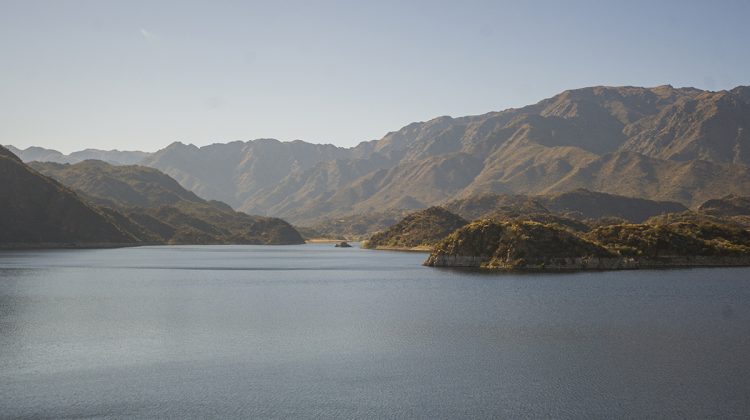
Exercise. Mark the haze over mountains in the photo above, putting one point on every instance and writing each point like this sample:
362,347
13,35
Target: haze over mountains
116,157
678,144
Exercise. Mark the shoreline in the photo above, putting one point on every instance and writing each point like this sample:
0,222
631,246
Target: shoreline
326,241
18,246
420,248
562,265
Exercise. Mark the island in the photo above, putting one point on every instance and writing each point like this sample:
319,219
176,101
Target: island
534,246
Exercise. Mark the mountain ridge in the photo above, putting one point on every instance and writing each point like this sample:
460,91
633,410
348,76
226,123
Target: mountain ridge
662,143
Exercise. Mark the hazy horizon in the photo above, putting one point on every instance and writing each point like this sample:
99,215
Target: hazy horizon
141,75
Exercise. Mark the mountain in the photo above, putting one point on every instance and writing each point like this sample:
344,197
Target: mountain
234,172
422,228
156,206
661,143
38,211
115,157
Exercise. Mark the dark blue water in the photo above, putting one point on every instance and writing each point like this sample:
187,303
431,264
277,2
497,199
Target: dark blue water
314,331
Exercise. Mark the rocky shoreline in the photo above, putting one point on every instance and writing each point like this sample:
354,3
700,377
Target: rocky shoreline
532,246
420,248
588,263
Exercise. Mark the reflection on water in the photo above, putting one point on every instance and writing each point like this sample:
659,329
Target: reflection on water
317,331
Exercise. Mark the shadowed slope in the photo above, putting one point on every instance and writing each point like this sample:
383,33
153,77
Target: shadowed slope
38,211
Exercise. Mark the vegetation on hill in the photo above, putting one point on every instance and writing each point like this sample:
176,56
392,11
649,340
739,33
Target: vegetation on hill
544,218
677,239
38,211
480,206
531,245
421,228
511,245
155,208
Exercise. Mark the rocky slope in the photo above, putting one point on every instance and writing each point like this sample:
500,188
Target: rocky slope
37,211
422,228
157,208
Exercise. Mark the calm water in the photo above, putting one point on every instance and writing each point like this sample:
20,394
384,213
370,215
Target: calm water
314,331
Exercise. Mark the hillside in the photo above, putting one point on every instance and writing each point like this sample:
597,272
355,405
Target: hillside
481,205
538,246
155,206
674,239
38,211
421,228
516,245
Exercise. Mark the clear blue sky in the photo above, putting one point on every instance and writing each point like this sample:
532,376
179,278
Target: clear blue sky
140,74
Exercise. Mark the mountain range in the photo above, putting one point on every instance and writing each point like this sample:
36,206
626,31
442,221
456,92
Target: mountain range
682,145
95,204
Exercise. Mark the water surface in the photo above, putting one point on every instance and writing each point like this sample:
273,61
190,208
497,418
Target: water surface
316,331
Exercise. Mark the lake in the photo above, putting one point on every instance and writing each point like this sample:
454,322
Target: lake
313,331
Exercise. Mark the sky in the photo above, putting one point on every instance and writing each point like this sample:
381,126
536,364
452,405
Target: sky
138,75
